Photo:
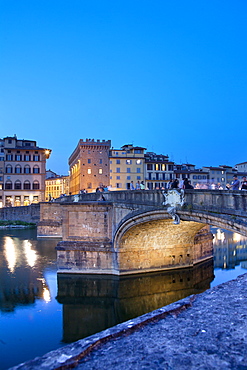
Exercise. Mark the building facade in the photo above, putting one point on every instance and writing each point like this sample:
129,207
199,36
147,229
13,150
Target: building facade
24,171
159,171
126,166
89,166
55,187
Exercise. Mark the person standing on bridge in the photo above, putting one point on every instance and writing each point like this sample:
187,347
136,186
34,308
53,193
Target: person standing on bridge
244,184
235,184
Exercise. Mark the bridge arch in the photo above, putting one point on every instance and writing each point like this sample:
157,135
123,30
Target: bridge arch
150,241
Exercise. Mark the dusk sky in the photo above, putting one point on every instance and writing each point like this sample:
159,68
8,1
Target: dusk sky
167,75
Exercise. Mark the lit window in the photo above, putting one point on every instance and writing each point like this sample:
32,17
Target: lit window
163,167
128,161
138,161
89,171
100,171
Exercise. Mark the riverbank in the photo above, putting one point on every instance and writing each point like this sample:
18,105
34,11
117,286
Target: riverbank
16,225
206,331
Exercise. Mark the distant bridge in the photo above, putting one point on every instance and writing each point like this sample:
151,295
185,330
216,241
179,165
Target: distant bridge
131,231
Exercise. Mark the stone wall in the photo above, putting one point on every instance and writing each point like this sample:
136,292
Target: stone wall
29,213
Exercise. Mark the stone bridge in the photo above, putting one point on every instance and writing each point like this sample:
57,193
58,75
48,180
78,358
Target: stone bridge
131,231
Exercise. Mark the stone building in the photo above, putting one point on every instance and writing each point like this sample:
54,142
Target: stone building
158,170
126,165
89,165
24,171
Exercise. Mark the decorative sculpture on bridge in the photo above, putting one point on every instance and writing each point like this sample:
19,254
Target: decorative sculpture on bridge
174,199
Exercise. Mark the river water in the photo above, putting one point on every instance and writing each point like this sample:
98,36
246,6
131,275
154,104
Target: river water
40,311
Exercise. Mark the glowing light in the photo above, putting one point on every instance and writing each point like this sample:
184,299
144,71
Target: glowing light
220,235
46,295
236,237
30,254
10,253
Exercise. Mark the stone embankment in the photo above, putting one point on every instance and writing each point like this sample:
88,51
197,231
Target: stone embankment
204,331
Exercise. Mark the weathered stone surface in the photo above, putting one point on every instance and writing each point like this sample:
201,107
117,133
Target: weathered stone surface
206,331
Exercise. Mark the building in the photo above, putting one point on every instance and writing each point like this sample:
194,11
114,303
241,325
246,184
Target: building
197,177
241,167
1,171
56,187
217,178
126,165
158,170
23,171
89,166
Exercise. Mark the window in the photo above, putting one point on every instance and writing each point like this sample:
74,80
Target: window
118,185
9,169
100,161
128,161
89,185
128,177
18,157
35,199
100,171
118,161
128,170
27,169
163,167
8,185
17,169
117,169
138,177
138,170
9,141
26,185
118,177
89,171
157,167
1,158
17,185
35,185
35,169
9,157
149,167
89,160
27,158
137,151
36,158
138,161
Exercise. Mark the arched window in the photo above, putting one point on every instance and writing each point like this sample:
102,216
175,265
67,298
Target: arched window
26,185
36,169
17,185
8,185
17,169
35,185
27,169
9,169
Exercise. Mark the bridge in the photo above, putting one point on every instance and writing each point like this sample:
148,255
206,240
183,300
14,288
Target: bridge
127,232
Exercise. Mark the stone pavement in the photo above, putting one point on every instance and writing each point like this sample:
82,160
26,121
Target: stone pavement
205,331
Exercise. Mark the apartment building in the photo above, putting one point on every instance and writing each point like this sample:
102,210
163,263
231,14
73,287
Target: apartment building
197,177
56,186
158,170
126,165
24,169
89,165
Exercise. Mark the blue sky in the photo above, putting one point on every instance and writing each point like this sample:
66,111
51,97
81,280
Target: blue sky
167,75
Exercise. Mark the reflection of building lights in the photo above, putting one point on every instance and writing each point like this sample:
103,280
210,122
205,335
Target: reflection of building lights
220,235
46,295
10,253
31,255
236,237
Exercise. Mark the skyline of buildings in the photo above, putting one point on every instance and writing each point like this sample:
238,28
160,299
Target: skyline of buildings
96,164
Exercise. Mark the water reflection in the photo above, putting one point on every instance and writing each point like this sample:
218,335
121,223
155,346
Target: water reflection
94,303
22,262
230,249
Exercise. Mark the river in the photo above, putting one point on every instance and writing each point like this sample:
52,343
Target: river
40,311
